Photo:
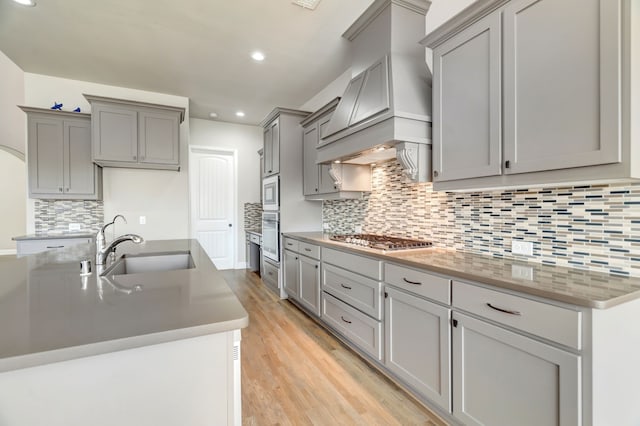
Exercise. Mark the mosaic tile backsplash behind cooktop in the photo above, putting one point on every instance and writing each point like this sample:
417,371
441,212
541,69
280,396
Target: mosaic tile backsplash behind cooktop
593,227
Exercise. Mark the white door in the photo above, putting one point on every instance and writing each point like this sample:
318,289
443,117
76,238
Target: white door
213,191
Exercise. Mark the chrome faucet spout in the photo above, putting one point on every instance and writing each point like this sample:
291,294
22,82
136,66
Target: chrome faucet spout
101,255
100,238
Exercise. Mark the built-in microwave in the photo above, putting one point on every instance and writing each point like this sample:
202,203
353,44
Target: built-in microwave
270,193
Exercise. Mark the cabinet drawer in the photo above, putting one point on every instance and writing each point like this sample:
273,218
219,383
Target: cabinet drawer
419,282
309,250
561,325
290,244
37,246
270,274
254,238
359,329
360,264
362,293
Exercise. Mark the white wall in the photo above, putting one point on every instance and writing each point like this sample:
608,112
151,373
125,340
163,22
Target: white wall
13,196
161,196
246,141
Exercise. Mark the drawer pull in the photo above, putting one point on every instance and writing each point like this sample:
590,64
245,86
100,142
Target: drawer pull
345,286
307,249
411,282
270,273
347,321
289,244
51,247
506,311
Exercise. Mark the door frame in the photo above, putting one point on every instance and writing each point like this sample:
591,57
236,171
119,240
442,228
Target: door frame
202,149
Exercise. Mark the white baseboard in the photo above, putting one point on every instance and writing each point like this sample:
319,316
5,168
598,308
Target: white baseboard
7,252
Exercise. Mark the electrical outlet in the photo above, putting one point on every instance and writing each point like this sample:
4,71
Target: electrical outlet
325,226
358,229
74,227
522,272
143,220
522,247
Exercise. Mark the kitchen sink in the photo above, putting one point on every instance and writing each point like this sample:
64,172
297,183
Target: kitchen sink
139,264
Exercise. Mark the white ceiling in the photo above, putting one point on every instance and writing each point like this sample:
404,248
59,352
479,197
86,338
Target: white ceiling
194,48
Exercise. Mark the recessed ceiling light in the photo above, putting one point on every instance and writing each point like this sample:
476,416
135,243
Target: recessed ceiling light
257,56
307,4
240,114
29,3
213,115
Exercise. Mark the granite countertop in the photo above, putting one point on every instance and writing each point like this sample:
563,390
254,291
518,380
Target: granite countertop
257,231
55,236
574,286
50,313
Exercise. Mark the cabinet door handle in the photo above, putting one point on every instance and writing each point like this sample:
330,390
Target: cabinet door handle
60,189
134,158
411,282
307,249
66,190
347,321
345,286
52,247
506,311
435,173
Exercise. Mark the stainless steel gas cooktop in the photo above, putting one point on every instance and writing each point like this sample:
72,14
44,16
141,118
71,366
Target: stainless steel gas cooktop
381,242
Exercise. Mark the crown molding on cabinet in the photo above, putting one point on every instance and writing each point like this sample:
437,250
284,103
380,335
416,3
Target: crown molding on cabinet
418,6
94,98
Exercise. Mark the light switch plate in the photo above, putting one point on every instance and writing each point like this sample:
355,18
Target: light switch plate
143,220
522,247
74,227
325,226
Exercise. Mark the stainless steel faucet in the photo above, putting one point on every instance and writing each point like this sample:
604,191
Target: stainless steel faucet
102,254
101,241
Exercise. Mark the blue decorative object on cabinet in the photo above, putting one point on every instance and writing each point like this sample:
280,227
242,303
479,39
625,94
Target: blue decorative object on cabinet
77,109
57,106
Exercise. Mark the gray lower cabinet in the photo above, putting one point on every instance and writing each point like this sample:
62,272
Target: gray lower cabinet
418,344
291,273
135,134
539,87
503,378
59,156
302,274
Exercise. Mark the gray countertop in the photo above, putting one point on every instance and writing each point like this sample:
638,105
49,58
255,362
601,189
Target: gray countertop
257,231
50,313
574,286
55,236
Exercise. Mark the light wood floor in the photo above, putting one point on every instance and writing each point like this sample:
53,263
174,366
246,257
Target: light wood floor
295,373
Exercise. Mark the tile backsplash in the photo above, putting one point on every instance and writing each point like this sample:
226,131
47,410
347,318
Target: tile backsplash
56,215
593,227
252,215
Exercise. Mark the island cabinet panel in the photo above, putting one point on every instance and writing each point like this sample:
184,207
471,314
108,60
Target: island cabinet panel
503,378
562,107
418,344
470,97
59,156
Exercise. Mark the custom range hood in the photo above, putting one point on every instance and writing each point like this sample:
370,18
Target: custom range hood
385,111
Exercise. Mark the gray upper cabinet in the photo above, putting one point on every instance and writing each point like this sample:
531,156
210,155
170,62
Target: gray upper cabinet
561,71
310,174
135,134
271,149
59,156
531,92
466,123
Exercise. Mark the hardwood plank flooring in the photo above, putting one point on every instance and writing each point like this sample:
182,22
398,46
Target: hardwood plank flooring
295,373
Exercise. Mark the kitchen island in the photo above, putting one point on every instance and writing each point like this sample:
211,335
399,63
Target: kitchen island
159,347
